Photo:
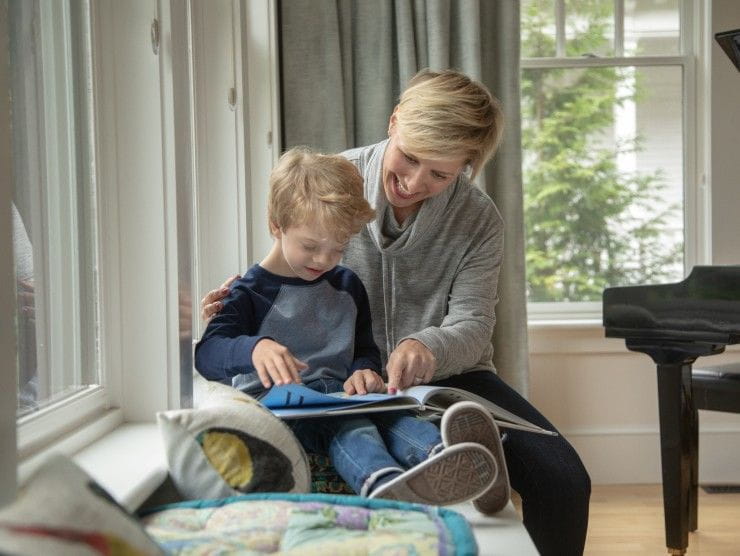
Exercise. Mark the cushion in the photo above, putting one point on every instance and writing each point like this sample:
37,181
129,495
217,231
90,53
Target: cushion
308,524
231,445
61,510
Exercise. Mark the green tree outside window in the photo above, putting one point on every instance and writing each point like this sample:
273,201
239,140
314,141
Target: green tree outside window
588,224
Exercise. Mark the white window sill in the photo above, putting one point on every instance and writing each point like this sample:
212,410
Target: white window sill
127,459
563,324
129,462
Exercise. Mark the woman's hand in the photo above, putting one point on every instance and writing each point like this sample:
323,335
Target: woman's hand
410,364
275,364
211,304
363,381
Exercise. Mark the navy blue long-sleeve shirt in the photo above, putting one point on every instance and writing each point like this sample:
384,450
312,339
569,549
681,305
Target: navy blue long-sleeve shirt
325,323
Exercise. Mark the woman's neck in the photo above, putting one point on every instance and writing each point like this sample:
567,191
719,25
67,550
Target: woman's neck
402,213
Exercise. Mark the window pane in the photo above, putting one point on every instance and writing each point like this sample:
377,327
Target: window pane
53,204
603,179
537,28
589,28
651,28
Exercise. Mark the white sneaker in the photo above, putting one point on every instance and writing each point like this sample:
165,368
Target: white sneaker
466,422
456,474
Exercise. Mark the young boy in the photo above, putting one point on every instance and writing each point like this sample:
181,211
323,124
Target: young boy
298,317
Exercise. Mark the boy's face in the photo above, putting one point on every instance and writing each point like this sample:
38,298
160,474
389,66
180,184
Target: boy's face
308,251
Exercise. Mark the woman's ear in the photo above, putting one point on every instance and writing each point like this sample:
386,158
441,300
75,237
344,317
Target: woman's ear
392,122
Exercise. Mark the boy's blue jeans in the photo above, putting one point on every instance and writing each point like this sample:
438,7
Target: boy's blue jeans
367,450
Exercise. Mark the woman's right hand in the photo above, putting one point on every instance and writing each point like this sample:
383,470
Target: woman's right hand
410,364
275,364
211,304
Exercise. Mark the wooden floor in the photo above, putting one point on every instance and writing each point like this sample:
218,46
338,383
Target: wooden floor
628,519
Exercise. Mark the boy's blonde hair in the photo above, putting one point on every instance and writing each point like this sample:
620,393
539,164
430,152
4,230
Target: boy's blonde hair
447,114
327,190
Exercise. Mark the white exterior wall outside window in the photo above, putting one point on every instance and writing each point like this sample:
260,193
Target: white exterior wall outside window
643,60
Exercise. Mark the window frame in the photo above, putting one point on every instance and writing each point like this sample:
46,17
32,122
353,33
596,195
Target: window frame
692,60
132,389
55,219
8,381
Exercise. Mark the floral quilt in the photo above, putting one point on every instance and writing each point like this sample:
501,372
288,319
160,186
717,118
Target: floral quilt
308,524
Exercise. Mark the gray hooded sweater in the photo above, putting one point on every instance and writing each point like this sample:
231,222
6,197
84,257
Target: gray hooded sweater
434,279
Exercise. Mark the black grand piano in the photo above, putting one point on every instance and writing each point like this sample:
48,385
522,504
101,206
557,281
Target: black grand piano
675,324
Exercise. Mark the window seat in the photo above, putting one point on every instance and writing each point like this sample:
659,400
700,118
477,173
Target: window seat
131,465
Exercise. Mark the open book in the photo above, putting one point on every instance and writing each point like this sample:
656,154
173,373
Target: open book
295,401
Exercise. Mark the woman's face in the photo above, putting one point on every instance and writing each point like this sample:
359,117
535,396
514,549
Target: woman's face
408,179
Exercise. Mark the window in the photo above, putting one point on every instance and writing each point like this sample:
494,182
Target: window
54,233
125,135
604,134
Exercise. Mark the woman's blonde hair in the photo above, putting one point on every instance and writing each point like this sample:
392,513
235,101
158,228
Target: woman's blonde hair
447,114
327,190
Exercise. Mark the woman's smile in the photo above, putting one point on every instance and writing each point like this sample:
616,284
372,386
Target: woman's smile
400,189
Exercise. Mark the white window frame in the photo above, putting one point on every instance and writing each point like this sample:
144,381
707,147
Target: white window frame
58,312
692,60
122,39
8,382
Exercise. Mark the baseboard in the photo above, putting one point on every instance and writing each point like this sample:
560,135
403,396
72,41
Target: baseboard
633,457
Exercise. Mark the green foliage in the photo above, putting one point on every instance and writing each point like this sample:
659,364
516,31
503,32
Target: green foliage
588,225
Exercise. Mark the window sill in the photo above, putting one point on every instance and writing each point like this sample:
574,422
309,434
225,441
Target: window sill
577,337
563,324
127,459
130,463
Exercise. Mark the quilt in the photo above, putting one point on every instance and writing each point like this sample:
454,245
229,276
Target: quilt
308,524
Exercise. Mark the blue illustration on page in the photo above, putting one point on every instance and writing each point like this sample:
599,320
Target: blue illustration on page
296,400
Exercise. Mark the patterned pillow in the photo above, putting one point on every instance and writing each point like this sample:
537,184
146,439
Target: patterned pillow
231,445
61,511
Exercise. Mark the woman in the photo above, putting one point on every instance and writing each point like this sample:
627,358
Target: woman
430,264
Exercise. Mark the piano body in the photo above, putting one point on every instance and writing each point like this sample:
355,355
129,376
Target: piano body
675,324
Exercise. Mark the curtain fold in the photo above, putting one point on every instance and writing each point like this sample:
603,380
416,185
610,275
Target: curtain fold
343,66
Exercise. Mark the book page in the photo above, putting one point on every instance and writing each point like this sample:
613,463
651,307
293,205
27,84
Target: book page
298,395
443,397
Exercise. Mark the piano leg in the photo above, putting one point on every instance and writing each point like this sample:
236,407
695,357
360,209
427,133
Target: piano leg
694,454
676,419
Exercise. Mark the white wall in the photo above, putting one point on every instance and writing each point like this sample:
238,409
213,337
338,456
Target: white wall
604,399
725,118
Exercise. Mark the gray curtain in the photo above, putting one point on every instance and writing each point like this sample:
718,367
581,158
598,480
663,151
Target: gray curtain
343,66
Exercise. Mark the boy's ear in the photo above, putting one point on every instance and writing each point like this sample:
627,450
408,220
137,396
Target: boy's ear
274,230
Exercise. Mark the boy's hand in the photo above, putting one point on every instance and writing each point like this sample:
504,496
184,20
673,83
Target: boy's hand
363,381
275,364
